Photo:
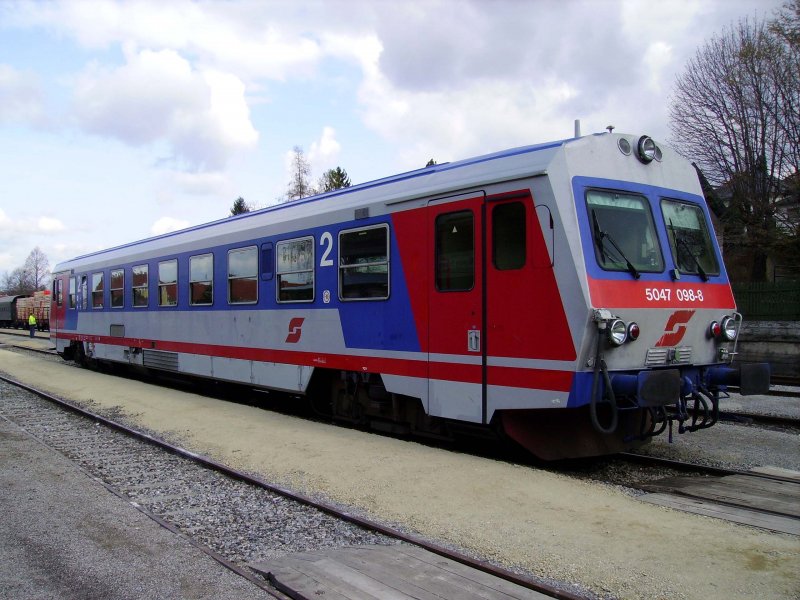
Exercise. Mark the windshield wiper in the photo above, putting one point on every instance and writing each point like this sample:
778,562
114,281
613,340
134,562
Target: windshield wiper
601,235
679,240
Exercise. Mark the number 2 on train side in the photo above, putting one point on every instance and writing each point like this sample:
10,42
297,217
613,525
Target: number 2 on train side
326,241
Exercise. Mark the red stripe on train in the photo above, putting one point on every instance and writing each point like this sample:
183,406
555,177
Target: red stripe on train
445,371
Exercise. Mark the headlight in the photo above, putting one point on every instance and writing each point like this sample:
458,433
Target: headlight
729,328
646,149
617,332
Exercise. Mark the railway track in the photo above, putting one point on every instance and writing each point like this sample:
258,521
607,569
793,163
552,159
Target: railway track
767,498
750,418
162,480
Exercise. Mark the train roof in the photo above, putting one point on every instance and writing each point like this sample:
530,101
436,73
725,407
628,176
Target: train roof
439,179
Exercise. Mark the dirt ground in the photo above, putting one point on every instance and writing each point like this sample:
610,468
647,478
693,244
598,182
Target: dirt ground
551,525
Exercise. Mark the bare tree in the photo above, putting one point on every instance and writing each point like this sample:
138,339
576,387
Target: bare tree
729,115
38,268
299,186
786,26
17,282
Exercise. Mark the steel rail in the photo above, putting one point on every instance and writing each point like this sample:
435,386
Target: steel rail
680,465
325,507
759,419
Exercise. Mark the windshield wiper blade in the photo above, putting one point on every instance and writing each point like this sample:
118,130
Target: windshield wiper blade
598,236
602,235
688,249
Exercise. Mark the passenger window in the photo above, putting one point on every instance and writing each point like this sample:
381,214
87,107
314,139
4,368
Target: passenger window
117,288
168,283
509,239
97,290
455,251
58,284
139,283
243,276
295,270
201,279
72,293
364,263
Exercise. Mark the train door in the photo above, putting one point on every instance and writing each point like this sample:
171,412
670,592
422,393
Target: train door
58,301
527,338
456,308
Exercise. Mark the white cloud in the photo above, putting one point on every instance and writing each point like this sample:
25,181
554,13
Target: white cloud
167,225
7,261
49,225
657,59
28,225
324,152
259,39
157,95
202,184
20,97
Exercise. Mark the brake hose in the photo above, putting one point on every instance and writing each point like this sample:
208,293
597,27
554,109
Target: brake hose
599,364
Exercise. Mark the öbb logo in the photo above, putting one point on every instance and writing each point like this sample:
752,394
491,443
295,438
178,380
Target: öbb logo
295,330
676,328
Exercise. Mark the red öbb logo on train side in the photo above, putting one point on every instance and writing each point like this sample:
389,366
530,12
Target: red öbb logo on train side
295,330
675,328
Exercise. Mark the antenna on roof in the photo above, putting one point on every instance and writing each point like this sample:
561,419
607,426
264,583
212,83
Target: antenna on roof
610,128
577,128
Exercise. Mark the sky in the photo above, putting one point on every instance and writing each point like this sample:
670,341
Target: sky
120,120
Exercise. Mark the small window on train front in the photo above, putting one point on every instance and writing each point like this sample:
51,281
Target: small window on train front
508,236
623,232
168,283
295,270
689,238
455,251
59,291
364,263
139,285
72,293
201,279
117,288
97,290
243,276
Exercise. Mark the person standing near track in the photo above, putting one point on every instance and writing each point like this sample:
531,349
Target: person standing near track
32,324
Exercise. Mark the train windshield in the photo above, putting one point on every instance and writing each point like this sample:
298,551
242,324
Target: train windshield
689,238
623,231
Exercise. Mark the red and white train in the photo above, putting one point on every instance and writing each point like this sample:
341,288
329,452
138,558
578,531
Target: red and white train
570,295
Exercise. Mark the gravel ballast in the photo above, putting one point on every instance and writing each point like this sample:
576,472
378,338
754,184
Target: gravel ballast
545,523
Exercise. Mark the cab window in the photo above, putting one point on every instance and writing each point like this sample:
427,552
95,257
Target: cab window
689,238
623,232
